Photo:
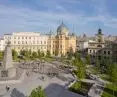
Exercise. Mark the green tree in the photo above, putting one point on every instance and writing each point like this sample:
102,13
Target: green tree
14,54
113,75
70,53
98,69
1,55
39,53
88,59
81,68
38,92
42,54
77,55
27,54
34,54
22,52
56,53
48,54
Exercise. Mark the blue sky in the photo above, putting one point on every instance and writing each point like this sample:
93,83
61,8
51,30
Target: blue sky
80,16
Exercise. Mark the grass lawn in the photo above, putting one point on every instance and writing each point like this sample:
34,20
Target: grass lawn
108,91
80,88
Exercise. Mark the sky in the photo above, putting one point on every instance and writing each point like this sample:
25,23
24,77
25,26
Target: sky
80,16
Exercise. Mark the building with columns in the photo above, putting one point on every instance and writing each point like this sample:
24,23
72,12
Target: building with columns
33,41
59,44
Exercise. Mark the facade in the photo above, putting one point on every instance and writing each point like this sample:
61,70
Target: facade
27,41
63,42
114,51
99,49
59,44
111,38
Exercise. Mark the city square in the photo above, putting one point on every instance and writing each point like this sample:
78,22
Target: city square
58,48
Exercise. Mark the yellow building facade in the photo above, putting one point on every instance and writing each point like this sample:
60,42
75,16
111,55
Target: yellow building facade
63,42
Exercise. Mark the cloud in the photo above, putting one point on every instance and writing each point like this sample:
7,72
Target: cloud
28,19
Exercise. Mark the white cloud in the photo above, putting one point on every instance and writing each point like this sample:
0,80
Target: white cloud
24,19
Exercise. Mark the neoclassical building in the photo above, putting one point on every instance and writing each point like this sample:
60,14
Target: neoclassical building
63,42
27,41
58,44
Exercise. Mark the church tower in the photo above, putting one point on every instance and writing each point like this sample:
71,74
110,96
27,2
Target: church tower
100,36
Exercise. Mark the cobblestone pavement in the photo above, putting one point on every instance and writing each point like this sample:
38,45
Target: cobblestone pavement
53,86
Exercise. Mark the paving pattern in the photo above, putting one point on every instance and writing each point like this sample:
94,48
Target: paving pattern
54,86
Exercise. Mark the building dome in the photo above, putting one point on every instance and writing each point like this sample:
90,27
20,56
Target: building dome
62,29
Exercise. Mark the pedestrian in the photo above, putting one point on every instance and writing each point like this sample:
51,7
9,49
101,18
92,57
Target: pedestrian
7,88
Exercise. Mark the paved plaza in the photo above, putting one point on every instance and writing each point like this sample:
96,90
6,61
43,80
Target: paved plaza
54,85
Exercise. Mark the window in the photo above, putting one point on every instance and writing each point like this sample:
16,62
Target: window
104,52
22,37
90,51
109,52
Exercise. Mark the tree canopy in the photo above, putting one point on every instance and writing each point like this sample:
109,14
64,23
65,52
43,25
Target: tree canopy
38,92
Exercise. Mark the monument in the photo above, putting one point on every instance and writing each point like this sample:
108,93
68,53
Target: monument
7,70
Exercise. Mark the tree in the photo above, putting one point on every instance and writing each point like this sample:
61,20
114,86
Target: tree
38,92
14,54
34,54
81,68
70,53
88,59
42,54
98,68
48,54
56,53
22,52
77,55
30,52
113,74
27,54
39,53
1,55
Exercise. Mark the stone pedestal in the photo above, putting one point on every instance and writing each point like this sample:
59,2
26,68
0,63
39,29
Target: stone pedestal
10,73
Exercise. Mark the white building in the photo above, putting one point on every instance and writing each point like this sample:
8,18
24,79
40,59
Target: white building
27,41
1,44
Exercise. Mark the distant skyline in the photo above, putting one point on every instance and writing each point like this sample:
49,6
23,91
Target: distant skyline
80,16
